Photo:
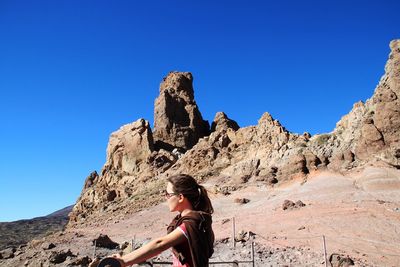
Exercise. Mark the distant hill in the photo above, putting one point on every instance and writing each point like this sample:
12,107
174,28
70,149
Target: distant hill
22,231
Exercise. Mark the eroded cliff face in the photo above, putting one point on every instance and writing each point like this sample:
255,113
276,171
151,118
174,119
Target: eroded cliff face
380,135
128,153
370,132
139,160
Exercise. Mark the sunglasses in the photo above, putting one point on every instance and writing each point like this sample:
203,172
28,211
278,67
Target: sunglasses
169,195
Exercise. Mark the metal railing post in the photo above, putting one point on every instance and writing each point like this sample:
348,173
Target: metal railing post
233,232
252,253
94,249
325,257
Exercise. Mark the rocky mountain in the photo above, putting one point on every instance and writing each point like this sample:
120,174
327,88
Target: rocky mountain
139,158
22,231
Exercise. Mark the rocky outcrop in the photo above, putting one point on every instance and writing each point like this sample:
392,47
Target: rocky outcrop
222,122
249,152
91,180
177,119
370,132
138,161
129,147
136,155
128,151
380,136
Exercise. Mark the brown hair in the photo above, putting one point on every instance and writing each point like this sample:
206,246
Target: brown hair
197,195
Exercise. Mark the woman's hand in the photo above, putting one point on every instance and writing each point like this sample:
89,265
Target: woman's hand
120,259
94,262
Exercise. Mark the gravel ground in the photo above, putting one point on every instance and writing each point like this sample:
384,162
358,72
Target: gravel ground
359,215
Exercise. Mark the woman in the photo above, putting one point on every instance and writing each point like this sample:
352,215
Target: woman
189,234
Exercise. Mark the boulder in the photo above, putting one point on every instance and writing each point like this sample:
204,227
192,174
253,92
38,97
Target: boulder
103,241
244,236
8,253
289,205
299,204
241,200
48,245
338,260
57,257
79,261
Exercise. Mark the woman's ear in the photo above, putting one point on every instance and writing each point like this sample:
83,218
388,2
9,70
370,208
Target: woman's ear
181,198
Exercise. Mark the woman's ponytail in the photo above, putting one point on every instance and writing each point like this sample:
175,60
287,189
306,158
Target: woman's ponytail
204,202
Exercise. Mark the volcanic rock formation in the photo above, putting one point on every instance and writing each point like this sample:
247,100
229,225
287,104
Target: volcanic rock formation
177,119
138,160
370,131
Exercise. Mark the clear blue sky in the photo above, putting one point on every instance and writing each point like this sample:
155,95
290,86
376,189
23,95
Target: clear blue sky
72,72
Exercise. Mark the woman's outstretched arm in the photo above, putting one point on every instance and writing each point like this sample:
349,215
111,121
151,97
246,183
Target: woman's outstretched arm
153,248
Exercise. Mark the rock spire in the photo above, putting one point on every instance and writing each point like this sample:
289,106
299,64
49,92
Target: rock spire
177,119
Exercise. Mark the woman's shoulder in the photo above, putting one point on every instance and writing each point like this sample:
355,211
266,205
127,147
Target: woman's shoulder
183,229
197,219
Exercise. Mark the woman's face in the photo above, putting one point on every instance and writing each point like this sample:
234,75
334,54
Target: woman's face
172,198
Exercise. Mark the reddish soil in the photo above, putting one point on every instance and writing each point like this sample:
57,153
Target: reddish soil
359,215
